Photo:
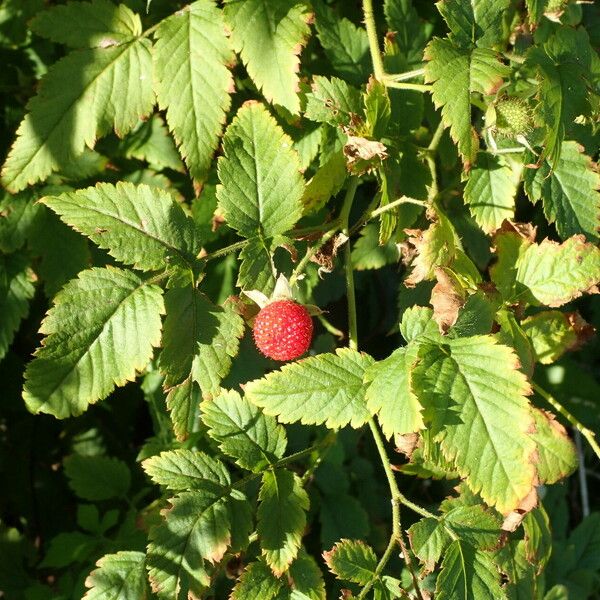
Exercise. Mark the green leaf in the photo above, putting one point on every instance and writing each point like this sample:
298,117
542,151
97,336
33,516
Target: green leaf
281,518
17,212
121,575
368,254
476,21
410,32
456,72
562,65
196,527
557,457
511,334
151,142
326,183
551,334
585,540
261,184
97,477
352,560
16,290
480,417
243,432
199,337
306,578
512,560
327,388
102,328
82,97
342,516
68,549
468,574
538,537
257,270
193,82
554,274
62,252
418,321
428,539
183,469
345,45
490,192
332,101
258,582
183,403
138,225
390,395
88,24
269,35
569,192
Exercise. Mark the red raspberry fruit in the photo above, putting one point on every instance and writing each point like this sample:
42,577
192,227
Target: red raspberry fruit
283,330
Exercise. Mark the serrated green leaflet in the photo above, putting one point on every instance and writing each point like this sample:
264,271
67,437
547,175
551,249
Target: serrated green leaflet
257,271
327,388
196,527
88,24
550,333
258,582
97,477
352,560
253,439
193,82
183,403
345,45
554,274
138,225
456,72
261,184
490,192
474,22
113,91
281,518
121,575
369,254
199,338
468,574
418,322
332,101
186,469
569,192
562,65
268,35
102,328
390,395
480,415
18,212
16,290
410,32
556,452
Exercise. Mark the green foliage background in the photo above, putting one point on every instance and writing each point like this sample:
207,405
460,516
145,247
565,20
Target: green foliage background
161,159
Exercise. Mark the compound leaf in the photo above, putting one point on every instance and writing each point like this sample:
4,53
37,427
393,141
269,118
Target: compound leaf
102,328
193,82
138,225
261,184
253,439
268,35
97,477
327,388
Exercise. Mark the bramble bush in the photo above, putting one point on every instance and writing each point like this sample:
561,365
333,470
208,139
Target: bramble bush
406,188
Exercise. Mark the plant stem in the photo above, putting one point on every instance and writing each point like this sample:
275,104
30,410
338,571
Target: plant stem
224,251
331,328
394,204
349,271
419,87
310,252
585,432
397,536
406,75
430,158
378,68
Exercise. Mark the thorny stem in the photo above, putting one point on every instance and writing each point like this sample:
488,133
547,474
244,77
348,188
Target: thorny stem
378,68
419,87
397,537
430,158
344,219
585,432
310,252
224,251
406,75
394,204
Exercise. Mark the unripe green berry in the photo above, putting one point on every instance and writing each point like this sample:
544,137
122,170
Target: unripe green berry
513,117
